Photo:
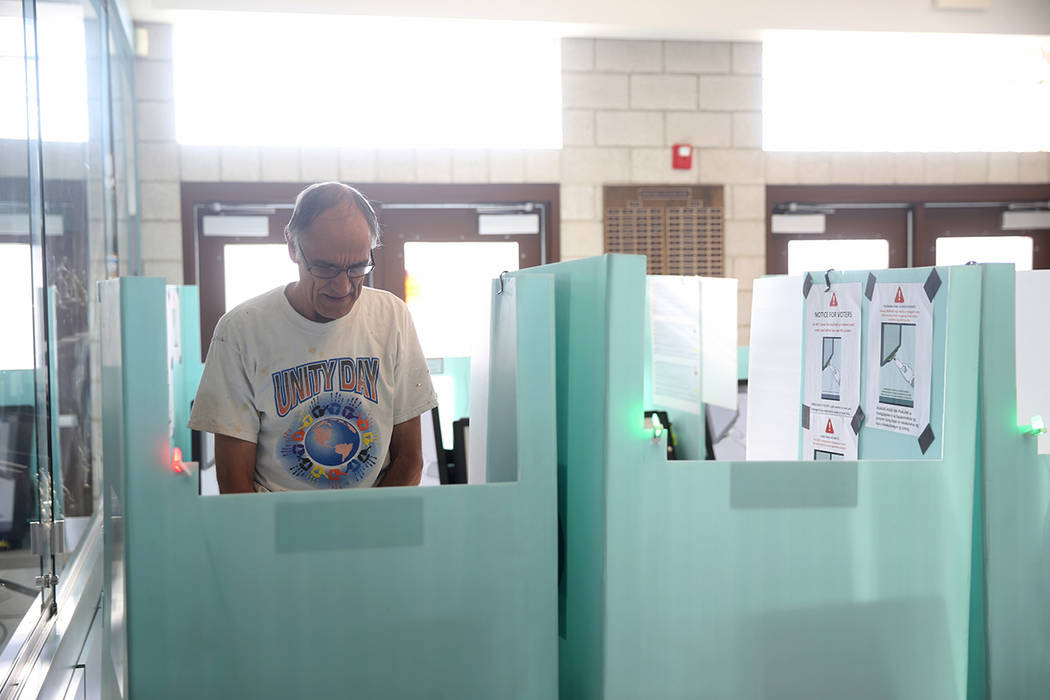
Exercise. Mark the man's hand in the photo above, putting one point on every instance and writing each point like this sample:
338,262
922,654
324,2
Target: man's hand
234,464
406,456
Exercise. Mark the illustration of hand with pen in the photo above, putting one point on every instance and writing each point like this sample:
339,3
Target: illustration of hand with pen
906,371
828,356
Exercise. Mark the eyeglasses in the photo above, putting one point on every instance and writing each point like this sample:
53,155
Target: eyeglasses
325,271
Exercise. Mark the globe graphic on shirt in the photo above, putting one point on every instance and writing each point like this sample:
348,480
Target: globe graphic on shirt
332,441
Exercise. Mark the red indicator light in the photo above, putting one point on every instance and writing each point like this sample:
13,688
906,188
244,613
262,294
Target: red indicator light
176,460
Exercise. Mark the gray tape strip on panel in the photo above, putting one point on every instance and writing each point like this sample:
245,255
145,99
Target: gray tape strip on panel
869,288
933,283
858,420
342,524
760,485
926,438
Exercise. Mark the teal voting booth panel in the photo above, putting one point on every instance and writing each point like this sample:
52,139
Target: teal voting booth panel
184,352
694,579
1016,511
446,592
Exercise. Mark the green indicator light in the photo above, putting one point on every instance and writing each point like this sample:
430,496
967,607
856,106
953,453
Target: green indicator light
658,428
1036,428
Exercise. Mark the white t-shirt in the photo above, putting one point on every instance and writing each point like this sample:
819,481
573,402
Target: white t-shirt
319,399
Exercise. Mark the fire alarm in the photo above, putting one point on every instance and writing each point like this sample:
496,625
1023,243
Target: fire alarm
681,156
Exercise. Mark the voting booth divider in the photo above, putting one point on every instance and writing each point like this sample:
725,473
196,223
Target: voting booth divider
753,579
380,593
590,566
1015,486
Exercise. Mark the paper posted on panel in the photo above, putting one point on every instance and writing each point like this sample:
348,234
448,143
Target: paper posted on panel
718,341
831,417
774,369
674,324
900,360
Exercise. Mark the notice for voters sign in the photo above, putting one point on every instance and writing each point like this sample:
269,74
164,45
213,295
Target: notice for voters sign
831,398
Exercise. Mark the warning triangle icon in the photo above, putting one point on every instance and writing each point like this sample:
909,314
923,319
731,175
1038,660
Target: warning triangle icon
830,429
899,299
834,300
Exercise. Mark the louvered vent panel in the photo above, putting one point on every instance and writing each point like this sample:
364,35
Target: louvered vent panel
678,229
636,229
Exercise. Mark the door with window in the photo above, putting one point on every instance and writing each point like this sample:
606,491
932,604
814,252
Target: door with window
873,227
440,263
841,231
998,223
441,247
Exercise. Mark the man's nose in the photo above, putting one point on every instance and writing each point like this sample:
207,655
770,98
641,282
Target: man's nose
342,282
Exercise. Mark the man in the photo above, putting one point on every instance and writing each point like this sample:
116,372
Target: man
318,384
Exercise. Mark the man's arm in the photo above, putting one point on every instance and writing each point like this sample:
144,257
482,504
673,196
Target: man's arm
406,456
234,464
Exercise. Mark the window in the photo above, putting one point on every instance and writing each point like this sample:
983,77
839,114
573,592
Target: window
16,288
447,287
858,91
960,250
253,268
860,254
301,80
62,77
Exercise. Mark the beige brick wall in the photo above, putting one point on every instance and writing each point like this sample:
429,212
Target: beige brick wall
624,104
159,159
644,96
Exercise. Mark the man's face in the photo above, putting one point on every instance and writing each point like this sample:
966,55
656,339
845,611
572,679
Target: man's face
339,237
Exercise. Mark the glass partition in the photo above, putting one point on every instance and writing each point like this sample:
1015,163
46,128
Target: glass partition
66,221
123,254
73,91
20,405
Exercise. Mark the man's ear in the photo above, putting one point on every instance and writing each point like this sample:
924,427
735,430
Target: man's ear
293,253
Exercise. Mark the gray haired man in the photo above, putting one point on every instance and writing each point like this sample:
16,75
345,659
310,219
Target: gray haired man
319,383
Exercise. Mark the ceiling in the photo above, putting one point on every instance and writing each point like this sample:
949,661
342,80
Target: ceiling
669,19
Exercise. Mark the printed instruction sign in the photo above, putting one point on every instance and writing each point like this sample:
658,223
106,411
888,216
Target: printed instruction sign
899,358
829,438
831,386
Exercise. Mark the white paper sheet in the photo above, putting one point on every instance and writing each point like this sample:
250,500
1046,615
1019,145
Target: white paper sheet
718,338
774,369
674,327
1033,348
831,384
899,359
431,475
479,393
